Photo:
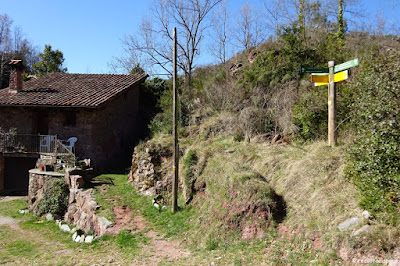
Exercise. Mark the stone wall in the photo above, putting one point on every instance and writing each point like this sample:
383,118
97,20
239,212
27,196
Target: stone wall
38,183
20,118
2,165
116,134
151,168
82,204
82,212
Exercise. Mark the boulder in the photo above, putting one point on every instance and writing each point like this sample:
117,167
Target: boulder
252,56
102,225
349,223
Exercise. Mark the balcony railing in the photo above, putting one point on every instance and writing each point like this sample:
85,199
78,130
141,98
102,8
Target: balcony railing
44,145
16,143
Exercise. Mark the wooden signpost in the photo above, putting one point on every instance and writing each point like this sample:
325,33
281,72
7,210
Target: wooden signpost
175,149
329,76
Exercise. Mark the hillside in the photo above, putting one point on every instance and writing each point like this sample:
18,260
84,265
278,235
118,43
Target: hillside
255,166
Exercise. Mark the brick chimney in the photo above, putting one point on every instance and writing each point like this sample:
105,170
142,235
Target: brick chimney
16,74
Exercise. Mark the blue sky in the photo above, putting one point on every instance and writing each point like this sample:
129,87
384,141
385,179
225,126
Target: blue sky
89,32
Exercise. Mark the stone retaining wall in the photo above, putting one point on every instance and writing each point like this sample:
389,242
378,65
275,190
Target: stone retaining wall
39,181
2,166
82,212
82,204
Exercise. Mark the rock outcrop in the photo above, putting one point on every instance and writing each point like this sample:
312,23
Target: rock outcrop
149,171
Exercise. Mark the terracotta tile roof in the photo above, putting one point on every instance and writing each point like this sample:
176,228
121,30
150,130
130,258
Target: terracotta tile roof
74,90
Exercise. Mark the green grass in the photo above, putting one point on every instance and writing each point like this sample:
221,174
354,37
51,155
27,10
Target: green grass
167,222
21,248
11,208
126,239
308,177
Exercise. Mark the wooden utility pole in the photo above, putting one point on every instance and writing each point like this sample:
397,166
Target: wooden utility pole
332,136
175,132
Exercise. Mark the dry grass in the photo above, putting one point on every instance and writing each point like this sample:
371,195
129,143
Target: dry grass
308,177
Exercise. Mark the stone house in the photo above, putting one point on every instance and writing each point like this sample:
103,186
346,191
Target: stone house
100,110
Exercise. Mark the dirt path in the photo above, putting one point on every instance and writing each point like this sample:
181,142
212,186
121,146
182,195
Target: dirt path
5,220
159,249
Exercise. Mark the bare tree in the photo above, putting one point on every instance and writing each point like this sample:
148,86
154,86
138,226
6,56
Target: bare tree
381,21
125,63
250,30
274,10
5,43
154,38
220,27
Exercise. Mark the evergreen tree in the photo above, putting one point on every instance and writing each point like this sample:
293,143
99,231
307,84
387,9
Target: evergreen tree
50,61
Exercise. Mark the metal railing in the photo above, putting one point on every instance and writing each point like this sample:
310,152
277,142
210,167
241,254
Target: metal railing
45,145
19,143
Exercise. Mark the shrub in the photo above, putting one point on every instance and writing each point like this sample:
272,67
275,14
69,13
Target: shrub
374,159
55,199
189,176
162,122
238,137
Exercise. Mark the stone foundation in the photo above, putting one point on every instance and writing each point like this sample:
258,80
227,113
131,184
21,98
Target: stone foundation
38,183
82,204
2,166
82,212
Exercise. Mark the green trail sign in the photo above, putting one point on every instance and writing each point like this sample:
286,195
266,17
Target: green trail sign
346,65
314,70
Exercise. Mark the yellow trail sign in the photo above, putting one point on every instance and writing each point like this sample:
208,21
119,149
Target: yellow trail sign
323,79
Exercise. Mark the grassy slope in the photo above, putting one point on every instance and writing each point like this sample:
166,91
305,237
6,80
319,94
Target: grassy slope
308,177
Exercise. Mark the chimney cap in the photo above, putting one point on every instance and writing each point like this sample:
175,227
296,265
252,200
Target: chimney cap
16,64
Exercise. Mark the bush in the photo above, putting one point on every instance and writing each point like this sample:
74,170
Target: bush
374,159
189,176
55,199
310,115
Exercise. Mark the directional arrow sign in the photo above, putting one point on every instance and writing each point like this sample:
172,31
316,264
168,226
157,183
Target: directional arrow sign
314,70
348,64
321,79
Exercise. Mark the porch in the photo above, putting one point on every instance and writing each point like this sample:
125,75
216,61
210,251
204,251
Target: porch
47,147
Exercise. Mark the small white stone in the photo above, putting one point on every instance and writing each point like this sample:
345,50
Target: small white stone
82,239
77,239
65,228
22,211
88,239
49,217
363,229
366,215
156,205
74,236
